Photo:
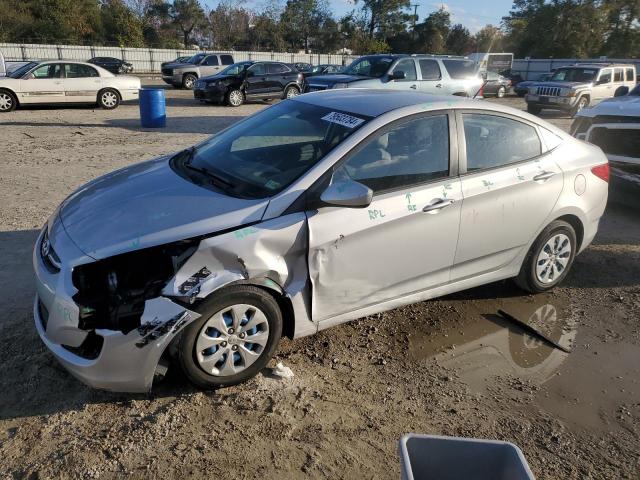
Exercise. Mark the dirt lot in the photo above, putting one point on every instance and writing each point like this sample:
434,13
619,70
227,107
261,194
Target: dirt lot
450,366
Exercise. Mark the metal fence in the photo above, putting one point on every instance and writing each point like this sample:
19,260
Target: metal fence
532,68
148,60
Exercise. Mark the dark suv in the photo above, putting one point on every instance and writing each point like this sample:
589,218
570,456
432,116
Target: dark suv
250,81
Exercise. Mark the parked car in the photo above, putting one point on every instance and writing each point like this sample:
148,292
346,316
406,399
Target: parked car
572,88
614,126
303,67
522,88
496,85
424,73
113,65
315,211
177,60
63,81
324,69
184,75
250,81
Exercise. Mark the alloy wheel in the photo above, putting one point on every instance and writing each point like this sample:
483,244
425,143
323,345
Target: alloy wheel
553,259
109,99
232,340
292,92
235,98
6,102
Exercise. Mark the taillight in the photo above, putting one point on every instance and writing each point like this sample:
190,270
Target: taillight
601,171
481,92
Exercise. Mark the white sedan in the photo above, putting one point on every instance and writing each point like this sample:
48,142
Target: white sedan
61,81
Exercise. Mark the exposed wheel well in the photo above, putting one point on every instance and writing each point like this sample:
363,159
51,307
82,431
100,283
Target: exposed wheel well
577,226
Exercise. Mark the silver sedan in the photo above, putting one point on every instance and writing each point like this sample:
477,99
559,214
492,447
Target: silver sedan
313,212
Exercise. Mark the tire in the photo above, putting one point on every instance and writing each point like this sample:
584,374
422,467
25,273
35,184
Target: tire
108,99
291,92
501,92
203,344
235,97
521,94
188,81
8,101
533,109
557,239
582,102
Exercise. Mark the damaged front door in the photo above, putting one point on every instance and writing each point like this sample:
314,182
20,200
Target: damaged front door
405,240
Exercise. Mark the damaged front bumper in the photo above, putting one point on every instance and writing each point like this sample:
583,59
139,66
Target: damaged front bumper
101,358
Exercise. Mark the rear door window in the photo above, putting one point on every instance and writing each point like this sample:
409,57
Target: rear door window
618,75
257,69
494,141
275,68
75,70
460,68
430,70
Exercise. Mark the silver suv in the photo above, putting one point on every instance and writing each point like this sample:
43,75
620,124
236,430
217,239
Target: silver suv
444,75
184,75
574,87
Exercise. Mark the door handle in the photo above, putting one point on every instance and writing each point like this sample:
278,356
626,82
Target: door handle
438,85
543,177
413,86
438,204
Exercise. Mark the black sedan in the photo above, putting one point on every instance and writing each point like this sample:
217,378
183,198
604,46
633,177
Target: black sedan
496,85
114,65
250,81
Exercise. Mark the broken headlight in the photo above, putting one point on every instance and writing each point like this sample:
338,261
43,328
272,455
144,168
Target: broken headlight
112,292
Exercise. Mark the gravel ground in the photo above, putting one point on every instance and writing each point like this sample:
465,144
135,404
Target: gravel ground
449,366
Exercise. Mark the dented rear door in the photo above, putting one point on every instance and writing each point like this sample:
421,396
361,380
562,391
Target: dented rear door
400,244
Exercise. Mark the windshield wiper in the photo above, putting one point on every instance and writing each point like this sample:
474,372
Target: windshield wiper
205,171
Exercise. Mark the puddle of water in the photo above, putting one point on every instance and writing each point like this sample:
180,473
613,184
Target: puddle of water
486,351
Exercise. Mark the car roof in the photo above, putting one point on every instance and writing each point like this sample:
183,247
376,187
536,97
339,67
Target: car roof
372,102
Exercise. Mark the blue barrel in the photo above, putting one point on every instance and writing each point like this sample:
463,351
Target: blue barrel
152,108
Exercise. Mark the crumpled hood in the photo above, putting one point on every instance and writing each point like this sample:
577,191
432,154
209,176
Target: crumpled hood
148,204
629,105
338,78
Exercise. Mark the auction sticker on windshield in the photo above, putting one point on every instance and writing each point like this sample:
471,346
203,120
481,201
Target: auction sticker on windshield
343,119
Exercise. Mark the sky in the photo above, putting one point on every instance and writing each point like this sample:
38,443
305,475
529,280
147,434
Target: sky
473,14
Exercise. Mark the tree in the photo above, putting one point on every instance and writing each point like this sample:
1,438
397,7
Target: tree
459,40
489,39
433,32
230,24
187,15
383,16
301,21
120,24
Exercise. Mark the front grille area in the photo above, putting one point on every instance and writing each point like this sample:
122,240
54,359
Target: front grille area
548,91
167,71
90,348
618,141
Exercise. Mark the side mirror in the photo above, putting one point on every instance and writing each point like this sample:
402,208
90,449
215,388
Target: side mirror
397,75
347,193
621,91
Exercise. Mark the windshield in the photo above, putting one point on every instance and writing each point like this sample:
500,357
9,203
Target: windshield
196,59
369,66
265,153
20,71
574,75
236,68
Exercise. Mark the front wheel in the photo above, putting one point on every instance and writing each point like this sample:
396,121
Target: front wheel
188,81
501,92
235,337
8,101
549,259
291,92
235,97
108,99
582,102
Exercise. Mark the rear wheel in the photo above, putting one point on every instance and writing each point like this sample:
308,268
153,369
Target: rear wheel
233,340
533,109
188,81
8,101
108,99
549,259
